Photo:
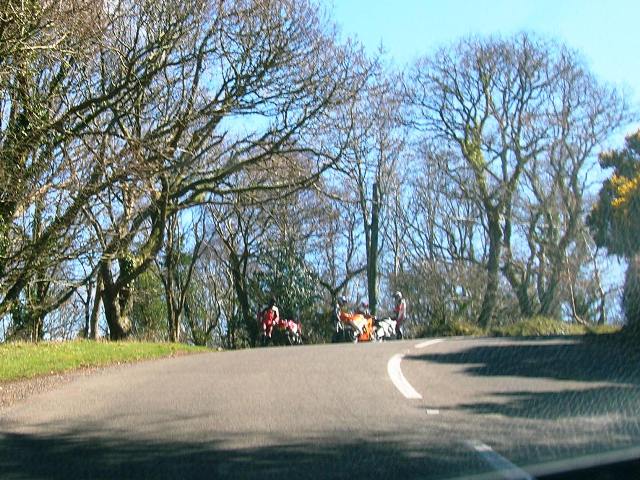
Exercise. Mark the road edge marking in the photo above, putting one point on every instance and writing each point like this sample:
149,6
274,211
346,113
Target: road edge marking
398,379
500,464
428,343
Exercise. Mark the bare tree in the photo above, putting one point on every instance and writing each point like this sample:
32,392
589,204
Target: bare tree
210,303
369,166
177,266
338,259
40,103
501,105
266,76
441,237
552,206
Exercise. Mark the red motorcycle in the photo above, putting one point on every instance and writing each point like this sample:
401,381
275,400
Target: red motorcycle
280,331
287,332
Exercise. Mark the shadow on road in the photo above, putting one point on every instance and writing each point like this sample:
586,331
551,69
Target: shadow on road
75,455
606,358
599,401
610,362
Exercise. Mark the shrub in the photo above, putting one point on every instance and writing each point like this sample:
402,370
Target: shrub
537,327
452,328
631,294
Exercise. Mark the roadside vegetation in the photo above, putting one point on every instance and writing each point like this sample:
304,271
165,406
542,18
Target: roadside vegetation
21,360
532,327
167,167
541,326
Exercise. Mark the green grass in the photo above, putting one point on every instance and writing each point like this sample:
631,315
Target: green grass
454,328
28,360
544,326
530,327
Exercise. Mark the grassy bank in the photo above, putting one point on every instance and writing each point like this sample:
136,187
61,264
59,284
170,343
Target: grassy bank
542,326
532,327
28,360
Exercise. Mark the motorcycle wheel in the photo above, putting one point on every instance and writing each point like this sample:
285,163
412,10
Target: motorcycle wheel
351,336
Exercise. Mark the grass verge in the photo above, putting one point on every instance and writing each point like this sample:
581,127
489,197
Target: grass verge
530,327
544,326
27,360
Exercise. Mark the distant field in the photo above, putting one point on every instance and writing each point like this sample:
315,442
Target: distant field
28,360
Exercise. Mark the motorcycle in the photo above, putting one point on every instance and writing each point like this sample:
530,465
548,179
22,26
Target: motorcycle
385,329
287,332
281,332
354,328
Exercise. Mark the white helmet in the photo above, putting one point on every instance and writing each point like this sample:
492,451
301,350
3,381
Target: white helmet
398,295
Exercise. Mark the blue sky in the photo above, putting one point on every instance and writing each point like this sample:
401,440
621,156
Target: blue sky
604,31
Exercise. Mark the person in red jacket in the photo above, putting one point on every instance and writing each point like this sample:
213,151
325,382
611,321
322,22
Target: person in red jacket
399,312
269,317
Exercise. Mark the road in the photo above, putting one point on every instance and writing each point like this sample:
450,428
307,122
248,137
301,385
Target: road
334,411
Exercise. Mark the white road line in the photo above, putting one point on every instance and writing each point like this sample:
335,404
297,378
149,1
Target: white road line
401,383
405,388
429,342
503,467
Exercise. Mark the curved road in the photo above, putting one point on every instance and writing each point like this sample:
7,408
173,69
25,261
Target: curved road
334,411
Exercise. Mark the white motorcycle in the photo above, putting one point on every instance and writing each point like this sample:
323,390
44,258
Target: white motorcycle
385,329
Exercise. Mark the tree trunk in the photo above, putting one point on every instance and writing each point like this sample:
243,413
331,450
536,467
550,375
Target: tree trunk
33,324
524,299
93,322
519,281
372,260
87,310
493,271
117,317
239,286
173,311
117,305
33,311
38,327
602,305
520,287
549,302
174,324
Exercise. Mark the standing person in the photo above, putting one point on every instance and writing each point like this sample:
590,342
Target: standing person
268,318
399,313
341,305
338,330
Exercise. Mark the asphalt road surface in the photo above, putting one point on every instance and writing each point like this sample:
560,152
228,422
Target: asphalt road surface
490,408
